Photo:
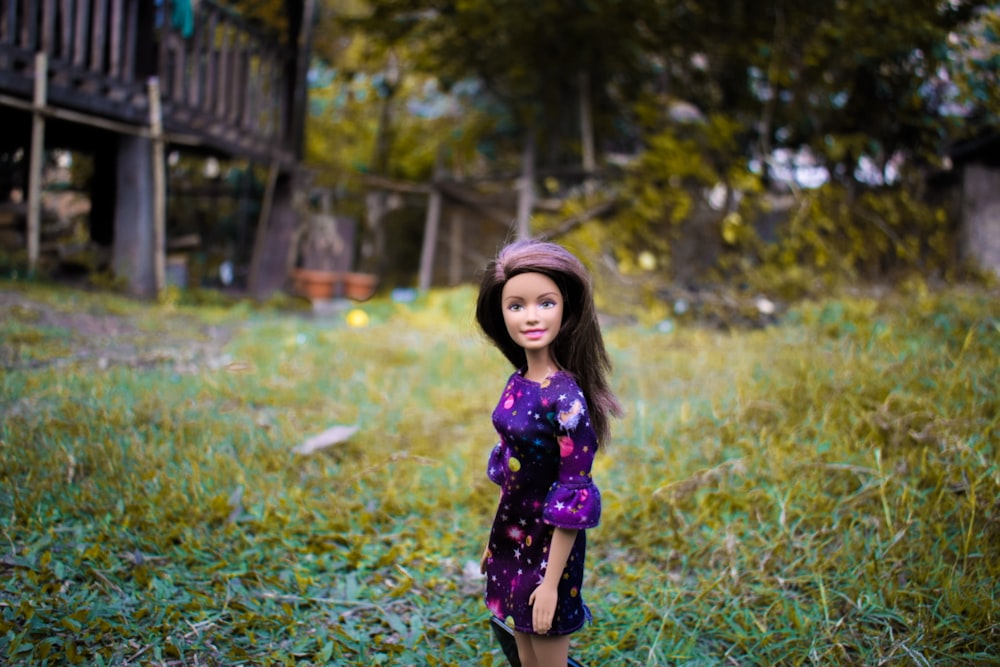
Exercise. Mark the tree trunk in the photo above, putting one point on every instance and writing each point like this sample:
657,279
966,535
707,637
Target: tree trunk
587,133
767,113
373,247
526,186
300,13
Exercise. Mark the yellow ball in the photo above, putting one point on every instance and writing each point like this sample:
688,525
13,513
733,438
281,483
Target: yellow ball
357,319
647,260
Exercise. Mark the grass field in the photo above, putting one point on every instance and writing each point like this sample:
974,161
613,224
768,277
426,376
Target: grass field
825,491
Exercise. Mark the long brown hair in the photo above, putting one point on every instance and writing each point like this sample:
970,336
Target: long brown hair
579,347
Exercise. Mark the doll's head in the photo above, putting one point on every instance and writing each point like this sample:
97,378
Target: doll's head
579,323
579,347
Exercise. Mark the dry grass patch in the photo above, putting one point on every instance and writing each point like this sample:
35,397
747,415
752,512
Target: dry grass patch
825,491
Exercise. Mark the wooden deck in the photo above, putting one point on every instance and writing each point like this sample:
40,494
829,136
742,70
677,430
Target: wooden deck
226,86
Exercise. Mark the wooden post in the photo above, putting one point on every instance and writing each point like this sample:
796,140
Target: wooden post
253,281
37,155
133,256
431,228
457,221
159,187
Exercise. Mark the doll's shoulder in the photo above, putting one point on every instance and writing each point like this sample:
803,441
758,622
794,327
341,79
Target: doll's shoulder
563,386
565,394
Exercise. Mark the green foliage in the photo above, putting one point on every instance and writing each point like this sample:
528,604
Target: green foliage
664,187
827,237
271,14
974,67
825,491
846,83
353,108
832,238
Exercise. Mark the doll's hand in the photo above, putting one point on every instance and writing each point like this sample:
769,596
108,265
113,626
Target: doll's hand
543,607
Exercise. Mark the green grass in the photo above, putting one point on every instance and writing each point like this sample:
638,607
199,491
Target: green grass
824,491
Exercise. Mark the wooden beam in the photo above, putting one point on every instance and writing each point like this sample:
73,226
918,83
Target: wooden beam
129,47
98,35
37,155
48,18
394,185
463,196
575,221
117,21
91,120
82,28
66,30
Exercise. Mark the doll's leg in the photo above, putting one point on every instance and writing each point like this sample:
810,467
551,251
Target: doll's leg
525,652
551,651
538,651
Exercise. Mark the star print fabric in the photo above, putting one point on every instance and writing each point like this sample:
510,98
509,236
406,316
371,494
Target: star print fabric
542,465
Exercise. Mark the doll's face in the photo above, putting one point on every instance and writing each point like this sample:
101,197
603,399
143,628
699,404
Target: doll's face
532,310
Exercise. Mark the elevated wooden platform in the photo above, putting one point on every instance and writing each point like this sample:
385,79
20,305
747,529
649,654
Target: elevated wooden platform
226,85
127,80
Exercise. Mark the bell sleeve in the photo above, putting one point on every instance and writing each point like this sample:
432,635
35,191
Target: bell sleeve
496,468
573,501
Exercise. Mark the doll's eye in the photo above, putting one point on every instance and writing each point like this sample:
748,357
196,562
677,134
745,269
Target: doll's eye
548,304
514,307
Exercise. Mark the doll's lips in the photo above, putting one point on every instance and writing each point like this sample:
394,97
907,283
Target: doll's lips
534,333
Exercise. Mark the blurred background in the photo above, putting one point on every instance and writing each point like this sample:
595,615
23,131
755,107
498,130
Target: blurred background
680,147
791,211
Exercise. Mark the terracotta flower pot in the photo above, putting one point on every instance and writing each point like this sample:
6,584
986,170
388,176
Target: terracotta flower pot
360,286
315,284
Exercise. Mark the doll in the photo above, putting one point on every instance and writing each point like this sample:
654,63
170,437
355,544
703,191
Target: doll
536,305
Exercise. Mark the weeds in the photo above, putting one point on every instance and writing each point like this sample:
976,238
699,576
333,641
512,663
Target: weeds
825,491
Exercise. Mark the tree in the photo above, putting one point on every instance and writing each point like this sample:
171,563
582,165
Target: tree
374,115
846,79
848,82
970,87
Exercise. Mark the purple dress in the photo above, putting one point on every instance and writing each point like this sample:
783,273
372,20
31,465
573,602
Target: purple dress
542,464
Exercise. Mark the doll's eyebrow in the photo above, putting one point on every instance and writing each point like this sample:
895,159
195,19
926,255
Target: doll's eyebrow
518,297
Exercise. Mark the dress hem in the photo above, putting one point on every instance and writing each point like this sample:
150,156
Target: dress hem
561,633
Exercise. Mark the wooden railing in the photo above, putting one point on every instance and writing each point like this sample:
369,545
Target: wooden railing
225,85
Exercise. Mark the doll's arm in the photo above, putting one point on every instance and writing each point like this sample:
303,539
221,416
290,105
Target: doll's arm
573,501
486,551
544,598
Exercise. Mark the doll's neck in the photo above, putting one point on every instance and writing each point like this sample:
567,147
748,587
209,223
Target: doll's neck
540,365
